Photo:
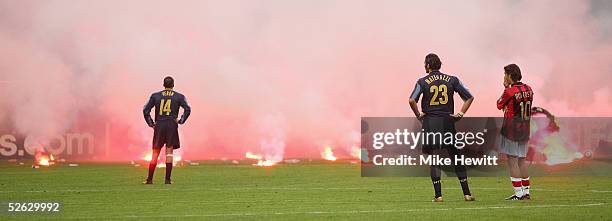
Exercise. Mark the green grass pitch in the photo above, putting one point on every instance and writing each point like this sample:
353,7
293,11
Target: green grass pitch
314,191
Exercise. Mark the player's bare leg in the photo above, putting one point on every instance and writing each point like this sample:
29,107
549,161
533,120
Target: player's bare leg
524,171
169,158
513,167
515,174
152,165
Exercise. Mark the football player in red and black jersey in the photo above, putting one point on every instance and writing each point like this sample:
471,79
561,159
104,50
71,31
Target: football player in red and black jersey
165,126
516,103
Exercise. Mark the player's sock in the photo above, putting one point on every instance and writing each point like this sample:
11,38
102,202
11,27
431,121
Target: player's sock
153,164
517,184
526,186
435,173
437,186
462,176
151,170
168,171
464,185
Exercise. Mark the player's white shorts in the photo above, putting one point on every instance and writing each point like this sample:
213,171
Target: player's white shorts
513,148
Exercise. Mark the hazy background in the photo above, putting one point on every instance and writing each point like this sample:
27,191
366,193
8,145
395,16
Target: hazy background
286,78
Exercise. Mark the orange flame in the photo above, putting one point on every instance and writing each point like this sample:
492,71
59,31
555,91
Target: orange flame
265,163
261,162
148,156
44,161
176,158
328,154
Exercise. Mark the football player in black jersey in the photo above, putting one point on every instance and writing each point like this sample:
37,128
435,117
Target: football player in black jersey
438,107
165,126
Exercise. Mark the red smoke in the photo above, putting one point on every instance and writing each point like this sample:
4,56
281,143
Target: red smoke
285,78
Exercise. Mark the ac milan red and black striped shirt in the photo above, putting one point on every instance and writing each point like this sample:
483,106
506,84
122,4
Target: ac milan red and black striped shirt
516,102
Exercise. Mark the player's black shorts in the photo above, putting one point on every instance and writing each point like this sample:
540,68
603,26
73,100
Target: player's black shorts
166,133
437,124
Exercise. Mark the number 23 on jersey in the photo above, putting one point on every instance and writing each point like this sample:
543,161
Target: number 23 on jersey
438,90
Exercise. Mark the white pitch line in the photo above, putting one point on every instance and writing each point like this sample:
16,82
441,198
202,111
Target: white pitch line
340,212
601,191
270,202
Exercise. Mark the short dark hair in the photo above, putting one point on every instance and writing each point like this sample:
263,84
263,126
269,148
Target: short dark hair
433,61
169,82
514,71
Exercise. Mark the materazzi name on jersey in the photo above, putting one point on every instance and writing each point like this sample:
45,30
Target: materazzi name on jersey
435,77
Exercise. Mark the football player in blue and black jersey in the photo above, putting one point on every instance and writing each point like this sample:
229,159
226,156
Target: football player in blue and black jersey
437,116
165,126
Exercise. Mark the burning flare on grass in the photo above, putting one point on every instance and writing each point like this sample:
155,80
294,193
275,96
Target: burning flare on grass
550,140
161,162
44,161
41,158
265,163
328,154
261,162
176,158
148,156
557,152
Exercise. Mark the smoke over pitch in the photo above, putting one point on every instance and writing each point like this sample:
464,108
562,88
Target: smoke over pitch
286,77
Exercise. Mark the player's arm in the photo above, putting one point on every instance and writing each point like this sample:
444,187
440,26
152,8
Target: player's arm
466,96
186,111
147,111
504,99
506,95
414,98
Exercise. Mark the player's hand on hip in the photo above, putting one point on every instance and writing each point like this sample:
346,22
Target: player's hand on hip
458,116
421,116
